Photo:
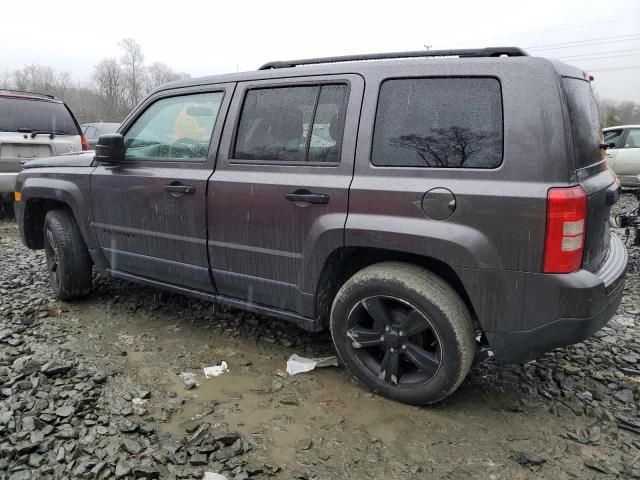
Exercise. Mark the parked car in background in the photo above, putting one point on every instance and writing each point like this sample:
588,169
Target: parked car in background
410,205
33,125
623,154
92,131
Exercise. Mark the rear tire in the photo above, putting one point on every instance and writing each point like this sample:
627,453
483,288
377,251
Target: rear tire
403,332
68,261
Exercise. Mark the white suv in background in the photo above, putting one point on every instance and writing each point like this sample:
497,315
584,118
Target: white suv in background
33,125
623,156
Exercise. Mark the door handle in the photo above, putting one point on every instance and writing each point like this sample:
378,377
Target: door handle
178,188
304,196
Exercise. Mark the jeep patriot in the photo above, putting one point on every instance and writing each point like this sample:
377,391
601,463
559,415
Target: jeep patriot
420,205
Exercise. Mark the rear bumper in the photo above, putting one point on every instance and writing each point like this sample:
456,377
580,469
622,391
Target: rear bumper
571,307
8,182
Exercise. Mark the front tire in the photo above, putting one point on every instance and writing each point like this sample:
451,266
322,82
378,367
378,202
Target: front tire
403,332
68,261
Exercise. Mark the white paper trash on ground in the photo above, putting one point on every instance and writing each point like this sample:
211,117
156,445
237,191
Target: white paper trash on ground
187,376
213,476
297,364
210,372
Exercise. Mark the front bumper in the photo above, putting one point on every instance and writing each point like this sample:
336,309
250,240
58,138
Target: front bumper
578,304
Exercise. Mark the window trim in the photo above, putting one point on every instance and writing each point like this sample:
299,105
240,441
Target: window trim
436,77
153,101
232,160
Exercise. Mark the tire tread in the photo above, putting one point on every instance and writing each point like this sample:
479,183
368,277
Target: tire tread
74,260
439,293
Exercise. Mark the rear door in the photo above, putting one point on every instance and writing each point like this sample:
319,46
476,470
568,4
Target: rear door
613,137
278,198
628,158
149,212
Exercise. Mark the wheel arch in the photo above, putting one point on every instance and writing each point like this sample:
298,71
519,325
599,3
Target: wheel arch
41,194
344,262
35,210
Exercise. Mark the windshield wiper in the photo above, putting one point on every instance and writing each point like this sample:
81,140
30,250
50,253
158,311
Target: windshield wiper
51,133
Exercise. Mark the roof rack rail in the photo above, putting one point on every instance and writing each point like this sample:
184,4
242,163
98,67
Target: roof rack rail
23,93
466,53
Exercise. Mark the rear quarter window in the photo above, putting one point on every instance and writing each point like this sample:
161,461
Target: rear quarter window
36,115
439,123
613,137
585,124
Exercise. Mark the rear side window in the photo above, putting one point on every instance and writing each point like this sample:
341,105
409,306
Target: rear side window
633,138
37,116
585,124
439,123
292,124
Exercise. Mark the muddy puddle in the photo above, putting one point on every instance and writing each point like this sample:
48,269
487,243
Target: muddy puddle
320,421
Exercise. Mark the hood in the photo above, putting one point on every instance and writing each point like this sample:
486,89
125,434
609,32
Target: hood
78,159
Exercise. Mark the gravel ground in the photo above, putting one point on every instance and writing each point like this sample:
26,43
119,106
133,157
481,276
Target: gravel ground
93,389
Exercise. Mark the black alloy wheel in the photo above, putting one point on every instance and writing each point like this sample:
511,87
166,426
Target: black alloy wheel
394,341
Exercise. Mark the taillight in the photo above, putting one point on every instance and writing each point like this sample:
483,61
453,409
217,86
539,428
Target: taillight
566,219
85,144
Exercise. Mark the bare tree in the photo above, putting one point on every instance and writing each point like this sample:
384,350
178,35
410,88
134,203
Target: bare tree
449,147
110,82
63,82
20,80
159,73
5,79
46,80
132,63
32,76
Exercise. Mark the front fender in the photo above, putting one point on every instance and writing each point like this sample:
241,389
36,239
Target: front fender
56,190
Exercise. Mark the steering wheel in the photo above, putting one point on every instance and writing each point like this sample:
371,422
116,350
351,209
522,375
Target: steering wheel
183,144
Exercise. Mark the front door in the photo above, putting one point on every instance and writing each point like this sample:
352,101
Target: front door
149,212
279,196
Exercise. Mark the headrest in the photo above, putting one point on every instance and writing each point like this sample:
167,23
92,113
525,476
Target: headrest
286,123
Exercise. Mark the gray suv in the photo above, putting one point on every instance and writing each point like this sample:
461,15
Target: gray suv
33,125
420,205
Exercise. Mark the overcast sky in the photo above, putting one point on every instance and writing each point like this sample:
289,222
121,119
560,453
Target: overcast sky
208,37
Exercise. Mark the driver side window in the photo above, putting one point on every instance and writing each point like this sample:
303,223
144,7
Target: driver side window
174,128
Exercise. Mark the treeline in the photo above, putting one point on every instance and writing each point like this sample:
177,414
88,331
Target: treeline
116,86
617,113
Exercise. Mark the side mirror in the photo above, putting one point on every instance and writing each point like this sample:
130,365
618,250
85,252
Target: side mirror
110,149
